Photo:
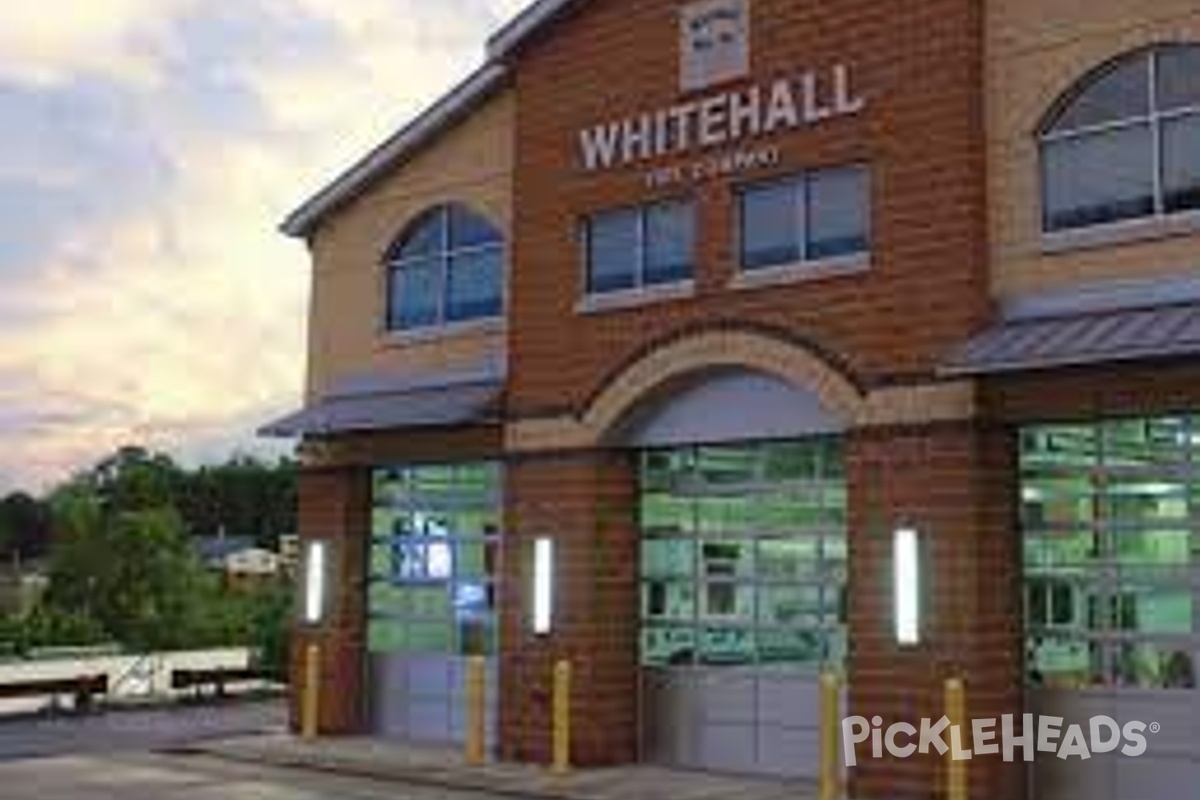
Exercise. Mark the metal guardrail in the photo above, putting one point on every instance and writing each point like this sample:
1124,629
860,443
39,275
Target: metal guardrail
64,653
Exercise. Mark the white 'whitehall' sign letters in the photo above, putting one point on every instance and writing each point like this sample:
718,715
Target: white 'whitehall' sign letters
722,119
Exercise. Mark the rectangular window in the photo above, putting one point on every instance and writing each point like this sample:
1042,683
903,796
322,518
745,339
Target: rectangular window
838,216
476,285
1098,178
416,294
1181,163
821,214
634,248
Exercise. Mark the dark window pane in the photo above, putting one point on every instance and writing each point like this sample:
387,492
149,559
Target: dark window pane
1099,178
838,212
475,285
426,238
468,229
416,288
1039,603
1178,77
670,242
1181,163
1121,93
771,225
1062,604
613,242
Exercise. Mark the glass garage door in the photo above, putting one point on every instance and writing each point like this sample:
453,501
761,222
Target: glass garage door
431,596
742,592
1111,517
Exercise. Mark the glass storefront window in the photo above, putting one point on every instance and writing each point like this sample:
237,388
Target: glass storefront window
1110,512
758,575
434,559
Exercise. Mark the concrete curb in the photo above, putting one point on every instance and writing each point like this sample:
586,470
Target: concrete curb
498,780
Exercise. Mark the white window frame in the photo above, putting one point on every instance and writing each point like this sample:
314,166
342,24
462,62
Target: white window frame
445,255
641,292
1156,119
806,267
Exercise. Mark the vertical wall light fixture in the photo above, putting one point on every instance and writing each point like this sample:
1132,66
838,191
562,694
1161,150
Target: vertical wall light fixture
315,580
906,583
543,586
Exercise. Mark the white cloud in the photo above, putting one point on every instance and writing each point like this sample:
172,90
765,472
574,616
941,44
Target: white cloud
47,43
178,321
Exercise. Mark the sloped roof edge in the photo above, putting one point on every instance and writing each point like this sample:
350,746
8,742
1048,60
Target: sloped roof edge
508,39
460,101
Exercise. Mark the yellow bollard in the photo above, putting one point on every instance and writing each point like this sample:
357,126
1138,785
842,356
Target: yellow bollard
956,711
830,780
562,717
310,709
476,710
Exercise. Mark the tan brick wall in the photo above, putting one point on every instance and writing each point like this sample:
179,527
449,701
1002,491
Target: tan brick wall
1037,50
471,164
918,65
662,367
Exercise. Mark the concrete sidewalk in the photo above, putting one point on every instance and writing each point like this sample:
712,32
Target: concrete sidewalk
392,761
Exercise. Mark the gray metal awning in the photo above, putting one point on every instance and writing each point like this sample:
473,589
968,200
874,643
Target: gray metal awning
1083,330
374,403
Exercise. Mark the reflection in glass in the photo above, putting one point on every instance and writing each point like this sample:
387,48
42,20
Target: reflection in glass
434,559
743,549
1109,515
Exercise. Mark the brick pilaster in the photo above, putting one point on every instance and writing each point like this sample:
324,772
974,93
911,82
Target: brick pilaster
586,504
335,507
956,484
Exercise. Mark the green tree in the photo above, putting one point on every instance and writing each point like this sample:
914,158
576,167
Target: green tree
24,527
134,479
133,572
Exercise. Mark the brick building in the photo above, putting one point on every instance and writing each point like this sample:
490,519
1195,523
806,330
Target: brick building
728,298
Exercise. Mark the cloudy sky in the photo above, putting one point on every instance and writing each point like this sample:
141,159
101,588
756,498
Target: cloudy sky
148,148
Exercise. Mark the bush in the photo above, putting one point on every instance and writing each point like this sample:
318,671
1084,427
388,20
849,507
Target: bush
49,627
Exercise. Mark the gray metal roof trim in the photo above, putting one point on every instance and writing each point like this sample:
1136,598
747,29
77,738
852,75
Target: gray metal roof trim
1136,334
460,101
477,403
504,42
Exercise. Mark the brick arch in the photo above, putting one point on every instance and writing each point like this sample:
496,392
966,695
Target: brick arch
660,368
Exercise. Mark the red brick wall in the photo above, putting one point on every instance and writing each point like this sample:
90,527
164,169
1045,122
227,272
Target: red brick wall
1163,387
956,484
918,65
585,502
335,507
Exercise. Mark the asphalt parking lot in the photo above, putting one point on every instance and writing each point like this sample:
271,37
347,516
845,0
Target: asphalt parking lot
147,776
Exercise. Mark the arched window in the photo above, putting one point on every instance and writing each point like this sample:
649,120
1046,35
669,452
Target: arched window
1125,143
447,267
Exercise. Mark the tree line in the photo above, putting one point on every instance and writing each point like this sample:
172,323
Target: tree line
243,497
118,544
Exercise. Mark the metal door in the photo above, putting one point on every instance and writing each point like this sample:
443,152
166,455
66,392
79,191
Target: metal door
431,597
1111,511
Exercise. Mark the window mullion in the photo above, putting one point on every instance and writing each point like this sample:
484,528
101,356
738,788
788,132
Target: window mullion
1158,159
803,201
640,277
444,278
